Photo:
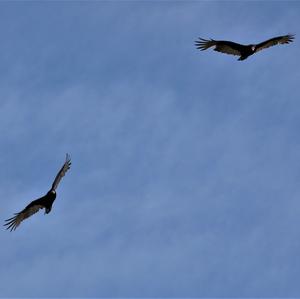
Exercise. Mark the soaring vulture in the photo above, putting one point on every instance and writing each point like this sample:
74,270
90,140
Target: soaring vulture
241,50
44,202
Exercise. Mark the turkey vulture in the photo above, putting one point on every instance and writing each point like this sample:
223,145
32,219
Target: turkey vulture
241,50
44,202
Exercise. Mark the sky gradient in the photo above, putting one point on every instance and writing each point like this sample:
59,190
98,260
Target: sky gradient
185,174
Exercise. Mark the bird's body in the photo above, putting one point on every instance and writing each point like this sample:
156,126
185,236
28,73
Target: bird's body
44,202
244,51
48,200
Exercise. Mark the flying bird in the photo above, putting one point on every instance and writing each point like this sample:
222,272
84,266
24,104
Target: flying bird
243,51
44,202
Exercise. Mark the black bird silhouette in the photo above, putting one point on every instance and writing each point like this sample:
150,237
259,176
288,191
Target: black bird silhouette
243,51
44,202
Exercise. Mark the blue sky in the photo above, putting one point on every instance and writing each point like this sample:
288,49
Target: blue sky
185,175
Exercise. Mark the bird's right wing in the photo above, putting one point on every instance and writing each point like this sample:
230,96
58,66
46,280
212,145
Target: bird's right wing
13,222
62,172
284,39
222,46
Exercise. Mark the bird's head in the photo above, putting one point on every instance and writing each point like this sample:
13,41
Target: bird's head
52,192
253,48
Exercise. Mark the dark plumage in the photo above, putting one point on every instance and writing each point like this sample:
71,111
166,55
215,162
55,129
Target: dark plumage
243,51
44,202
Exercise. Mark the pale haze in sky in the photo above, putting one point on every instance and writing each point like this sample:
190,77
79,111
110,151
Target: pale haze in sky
185,177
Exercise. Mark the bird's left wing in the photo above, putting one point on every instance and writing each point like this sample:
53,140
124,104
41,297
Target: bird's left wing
62,172
222,46
13,222
284,39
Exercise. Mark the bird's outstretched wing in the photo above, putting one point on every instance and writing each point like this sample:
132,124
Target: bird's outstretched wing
284,39
62,172
222,46
13,222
